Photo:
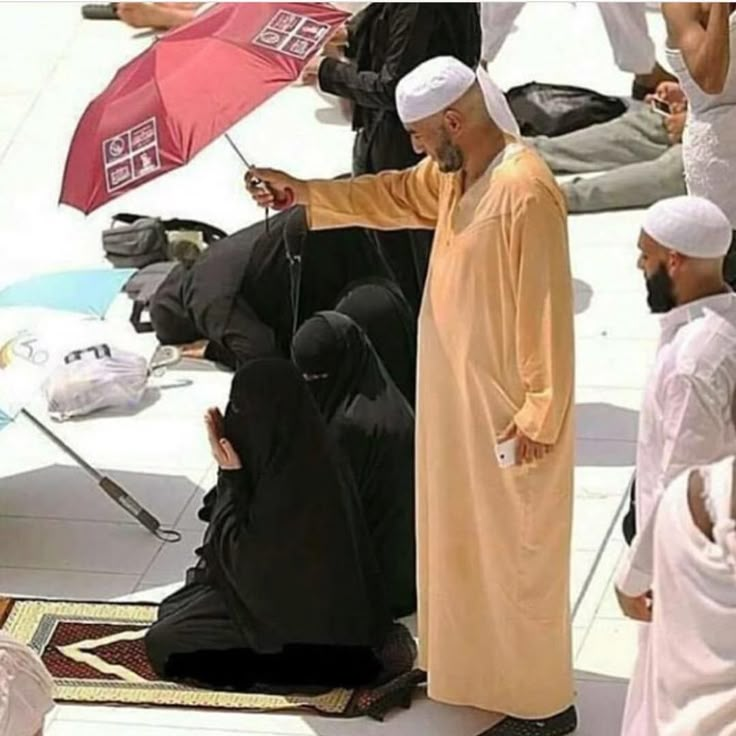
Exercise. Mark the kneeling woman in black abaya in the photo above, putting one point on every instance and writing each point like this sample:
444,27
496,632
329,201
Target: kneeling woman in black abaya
287,590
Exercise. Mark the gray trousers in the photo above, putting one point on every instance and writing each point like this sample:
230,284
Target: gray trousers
642,165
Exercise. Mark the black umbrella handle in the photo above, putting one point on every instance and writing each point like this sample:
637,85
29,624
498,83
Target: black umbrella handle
129,504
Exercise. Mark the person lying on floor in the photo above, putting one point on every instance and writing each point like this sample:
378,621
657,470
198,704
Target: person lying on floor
371,421
287,591
641,151
235,302
378,306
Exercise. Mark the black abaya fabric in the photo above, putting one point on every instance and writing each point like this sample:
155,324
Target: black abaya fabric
380,309
372,422
287,559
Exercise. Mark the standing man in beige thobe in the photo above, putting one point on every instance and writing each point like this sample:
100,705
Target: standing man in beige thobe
496,359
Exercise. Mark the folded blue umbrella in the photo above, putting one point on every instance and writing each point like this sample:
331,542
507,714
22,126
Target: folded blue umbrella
89,292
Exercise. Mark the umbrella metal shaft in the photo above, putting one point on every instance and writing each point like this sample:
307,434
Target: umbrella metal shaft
237,150
248,166
108,486
68,450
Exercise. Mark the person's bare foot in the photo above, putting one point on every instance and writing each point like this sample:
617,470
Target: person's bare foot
194,350
156,15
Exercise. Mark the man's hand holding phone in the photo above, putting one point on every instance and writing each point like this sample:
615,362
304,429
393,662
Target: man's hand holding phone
513,447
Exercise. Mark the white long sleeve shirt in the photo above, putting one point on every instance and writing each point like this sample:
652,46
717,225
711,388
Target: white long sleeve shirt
686,415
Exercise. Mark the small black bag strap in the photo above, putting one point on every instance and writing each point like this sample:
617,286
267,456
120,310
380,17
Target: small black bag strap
295,278
135,317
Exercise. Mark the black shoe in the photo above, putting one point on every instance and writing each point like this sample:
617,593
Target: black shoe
106,11
559,725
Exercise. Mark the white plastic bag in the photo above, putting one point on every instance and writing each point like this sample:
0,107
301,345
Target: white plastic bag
95,378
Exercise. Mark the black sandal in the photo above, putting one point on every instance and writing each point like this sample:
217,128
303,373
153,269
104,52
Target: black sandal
559,725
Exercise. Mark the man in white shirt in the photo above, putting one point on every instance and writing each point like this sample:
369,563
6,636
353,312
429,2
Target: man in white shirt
686,417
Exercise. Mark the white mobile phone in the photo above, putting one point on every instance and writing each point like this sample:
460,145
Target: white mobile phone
661,107
506,453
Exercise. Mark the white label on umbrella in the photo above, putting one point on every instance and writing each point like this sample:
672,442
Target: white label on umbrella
131,155
291,34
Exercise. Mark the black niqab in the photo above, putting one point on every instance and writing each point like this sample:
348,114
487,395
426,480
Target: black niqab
380,309
372,422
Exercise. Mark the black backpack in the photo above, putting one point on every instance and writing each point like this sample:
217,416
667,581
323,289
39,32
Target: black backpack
555,109
136,241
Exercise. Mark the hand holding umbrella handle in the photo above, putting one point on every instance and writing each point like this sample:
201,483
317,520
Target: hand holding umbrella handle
284,201
274,189
280,201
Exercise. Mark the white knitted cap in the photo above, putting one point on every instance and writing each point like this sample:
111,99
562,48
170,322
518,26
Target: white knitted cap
689,225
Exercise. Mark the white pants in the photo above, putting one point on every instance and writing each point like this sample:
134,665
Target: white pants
626,25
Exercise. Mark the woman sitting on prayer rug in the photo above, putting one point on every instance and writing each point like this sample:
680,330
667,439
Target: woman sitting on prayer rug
371,421
25,690
287,591
380,309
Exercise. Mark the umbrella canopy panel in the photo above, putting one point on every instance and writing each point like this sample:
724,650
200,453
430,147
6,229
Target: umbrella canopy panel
190,87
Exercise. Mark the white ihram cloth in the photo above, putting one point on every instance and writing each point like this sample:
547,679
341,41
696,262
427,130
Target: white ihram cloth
25,689
685,422
709,140
684,682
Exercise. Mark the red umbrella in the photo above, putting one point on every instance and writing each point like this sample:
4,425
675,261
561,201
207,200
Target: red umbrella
190,87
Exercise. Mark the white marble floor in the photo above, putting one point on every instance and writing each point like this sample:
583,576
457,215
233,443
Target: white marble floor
59,537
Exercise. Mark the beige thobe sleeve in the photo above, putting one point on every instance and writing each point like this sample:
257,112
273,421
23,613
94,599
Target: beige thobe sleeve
390,200
545,349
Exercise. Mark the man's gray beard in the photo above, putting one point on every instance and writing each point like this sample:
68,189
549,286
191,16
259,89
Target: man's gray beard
450,160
